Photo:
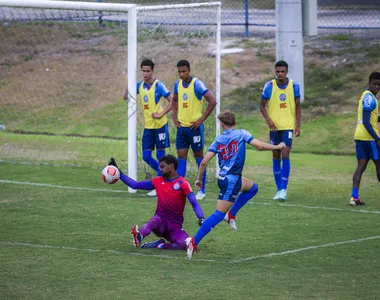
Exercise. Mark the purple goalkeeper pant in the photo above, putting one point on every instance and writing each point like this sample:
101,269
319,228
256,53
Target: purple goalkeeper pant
164,228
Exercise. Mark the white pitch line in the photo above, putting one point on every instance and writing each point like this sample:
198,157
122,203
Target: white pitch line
250,202
194,259
305,249
63,187
101,251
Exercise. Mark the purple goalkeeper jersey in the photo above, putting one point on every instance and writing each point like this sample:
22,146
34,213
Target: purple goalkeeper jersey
171,195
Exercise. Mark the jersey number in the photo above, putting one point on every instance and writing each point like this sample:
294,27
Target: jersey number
185,105
146,106
227,151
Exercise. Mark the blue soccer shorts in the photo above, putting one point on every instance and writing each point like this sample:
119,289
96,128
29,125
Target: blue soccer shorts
187,137
158,138
279,136
229,186
367,150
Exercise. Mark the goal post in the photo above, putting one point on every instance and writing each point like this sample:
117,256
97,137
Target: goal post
62,77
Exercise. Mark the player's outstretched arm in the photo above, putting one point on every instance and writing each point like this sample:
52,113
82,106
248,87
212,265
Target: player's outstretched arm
137,185
202,168
259,145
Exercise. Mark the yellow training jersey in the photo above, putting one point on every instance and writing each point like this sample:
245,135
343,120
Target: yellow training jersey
190,108
361,132
149,106
281,106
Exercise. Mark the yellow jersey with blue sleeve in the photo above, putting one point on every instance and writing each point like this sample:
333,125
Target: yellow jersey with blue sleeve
190,100
281,106
152,101
367,102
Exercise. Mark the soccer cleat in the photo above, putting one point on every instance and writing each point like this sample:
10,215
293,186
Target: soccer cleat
137,237
191,247
356,201
155,244
231,220
283,195
200,195
277,196
152,193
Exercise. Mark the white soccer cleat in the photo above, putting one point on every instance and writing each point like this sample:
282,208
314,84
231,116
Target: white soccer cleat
152,193
200,195
190,247
231,220
277,196
283,194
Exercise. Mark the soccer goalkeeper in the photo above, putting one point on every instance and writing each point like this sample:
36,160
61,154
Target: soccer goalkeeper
172,191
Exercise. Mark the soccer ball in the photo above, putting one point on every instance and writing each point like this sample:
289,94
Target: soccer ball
110,174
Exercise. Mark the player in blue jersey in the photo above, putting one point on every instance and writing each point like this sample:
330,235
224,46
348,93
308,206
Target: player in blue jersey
156,132
230,147
367,137
281,96
188,117
172,191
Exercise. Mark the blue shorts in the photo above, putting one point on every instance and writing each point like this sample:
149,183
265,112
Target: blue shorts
156,137
187,137
279,136
367,150
229,186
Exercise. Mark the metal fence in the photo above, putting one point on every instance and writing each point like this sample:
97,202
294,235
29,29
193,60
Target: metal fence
257,17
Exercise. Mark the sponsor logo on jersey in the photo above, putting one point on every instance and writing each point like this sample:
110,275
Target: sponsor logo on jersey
176,186
146,99
282,97
185,97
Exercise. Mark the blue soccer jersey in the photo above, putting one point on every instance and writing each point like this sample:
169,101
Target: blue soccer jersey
231,149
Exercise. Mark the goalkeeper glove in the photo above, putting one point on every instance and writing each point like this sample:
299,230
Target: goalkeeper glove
200,221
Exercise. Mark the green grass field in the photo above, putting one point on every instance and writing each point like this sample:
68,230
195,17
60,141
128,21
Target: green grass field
64,234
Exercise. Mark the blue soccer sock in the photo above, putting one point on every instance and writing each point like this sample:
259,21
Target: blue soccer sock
243,198
208,225
159,154
181,170
285,171
355,193
199,160
277,172
147,157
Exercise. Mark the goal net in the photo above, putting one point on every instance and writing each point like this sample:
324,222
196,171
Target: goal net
63,70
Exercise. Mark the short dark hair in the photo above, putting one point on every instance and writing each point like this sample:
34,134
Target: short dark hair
227,117
281,63
183,63
147,63
374,76
170,159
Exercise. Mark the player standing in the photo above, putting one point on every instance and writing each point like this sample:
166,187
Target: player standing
156,132
189,93
172,191
231,150
367,137
283,115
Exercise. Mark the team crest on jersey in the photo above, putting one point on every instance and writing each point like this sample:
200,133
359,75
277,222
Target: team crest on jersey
185,96
176,186
146,98
282,97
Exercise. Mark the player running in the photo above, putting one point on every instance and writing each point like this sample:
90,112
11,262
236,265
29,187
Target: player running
231,149
172,191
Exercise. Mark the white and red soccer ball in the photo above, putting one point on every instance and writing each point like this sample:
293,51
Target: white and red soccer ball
110,174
